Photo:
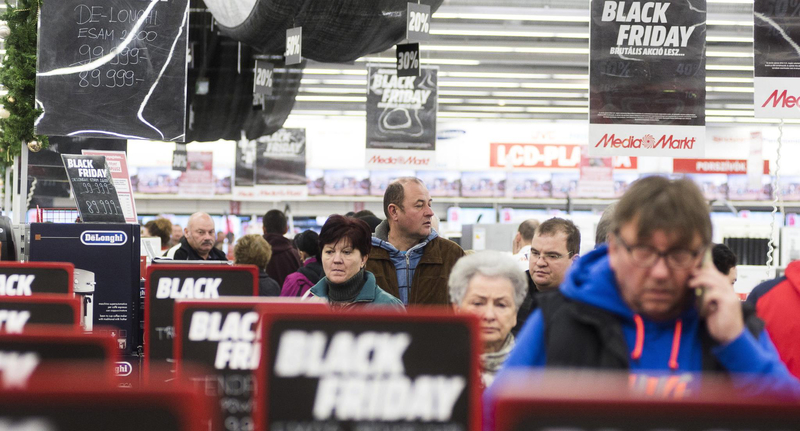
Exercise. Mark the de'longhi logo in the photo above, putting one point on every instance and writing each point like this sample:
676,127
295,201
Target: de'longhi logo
99,237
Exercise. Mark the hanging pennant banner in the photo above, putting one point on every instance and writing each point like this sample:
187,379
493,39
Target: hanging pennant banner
776,35
401,118
647,78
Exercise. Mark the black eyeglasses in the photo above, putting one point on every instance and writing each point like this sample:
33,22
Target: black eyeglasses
548,257
645,256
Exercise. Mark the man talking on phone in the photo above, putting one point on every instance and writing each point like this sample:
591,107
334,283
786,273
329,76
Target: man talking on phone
648,302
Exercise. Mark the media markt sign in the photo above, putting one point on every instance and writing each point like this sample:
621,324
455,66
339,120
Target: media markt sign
646,140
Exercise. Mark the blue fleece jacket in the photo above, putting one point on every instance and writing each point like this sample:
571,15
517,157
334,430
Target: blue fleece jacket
405,262
592,281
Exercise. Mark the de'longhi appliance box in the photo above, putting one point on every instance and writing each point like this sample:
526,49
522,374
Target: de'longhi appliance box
111,252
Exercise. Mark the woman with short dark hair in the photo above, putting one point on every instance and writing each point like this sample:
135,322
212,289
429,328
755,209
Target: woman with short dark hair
345,246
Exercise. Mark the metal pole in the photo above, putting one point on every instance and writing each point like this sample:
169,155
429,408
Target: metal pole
8,190
15,200
23,178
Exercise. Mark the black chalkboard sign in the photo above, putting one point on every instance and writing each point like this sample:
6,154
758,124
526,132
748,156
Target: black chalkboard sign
113,68
93,187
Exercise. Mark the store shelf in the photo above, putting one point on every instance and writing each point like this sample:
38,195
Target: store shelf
545,202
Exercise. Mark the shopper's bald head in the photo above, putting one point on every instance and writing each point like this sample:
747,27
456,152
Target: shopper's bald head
200,233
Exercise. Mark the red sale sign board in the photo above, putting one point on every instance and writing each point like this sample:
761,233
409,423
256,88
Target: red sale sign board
547,156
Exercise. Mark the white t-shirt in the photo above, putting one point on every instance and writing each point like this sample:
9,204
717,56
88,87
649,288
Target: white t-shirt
522,257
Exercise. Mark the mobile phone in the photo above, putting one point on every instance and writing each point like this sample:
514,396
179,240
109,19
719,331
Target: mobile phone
700,292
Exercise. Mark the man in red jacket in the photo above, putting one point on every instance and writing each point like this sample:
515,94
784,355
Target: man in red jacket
285,259
777,302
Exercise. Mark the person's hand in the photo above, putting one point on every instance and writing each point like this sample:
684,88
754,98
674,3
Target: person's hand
719,304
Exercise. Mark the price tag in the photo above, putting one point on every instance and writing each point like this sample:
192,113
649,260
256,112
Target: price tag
95,194
179,157
408,59
263,78
418,22
294,45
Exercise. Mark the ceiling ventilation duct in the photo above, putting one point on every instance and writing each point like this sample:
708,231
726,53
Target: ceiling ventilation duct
334,31
221,90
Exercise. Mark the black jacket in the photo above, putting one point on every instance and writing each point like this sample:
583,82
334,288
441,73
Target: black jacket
285,259
529,304
267,286
580,335
183,251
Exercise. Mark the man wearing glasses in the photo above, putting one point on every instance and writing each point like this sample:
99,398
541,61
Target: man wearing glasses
647,303
555,246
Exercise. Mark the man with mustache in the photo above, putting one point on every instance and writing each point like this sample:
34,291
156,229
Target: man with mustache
198,240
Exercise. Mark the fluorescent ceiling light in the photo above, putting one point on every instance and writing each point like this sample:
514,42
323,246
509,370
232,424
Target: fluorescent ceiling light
334,90
743,67
301,98
735,39
316,112
308,81
512,17
728,79
502,102
570,76
505,49
730,89
731,1
446,114
729,112
557,110
504,75
335,71
720,119
492,108
556,85
479,84
449,61
758,120
539,94
500,33
730,54
723,22
464,93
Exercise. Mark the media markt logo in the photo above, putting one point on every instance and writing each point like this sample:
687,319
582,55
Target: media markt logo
98,237
782,99
648,142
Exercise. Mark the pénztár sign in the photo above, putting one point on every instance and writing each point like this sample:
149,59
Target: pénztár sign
647,78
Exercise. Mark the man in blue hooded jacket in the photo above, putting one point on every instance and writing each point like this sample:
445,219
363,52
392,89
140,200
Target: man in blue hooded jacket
647,303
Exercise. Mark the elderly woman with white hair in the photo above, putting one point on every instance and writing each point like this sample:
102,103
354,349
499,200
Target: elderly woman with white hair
490,285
